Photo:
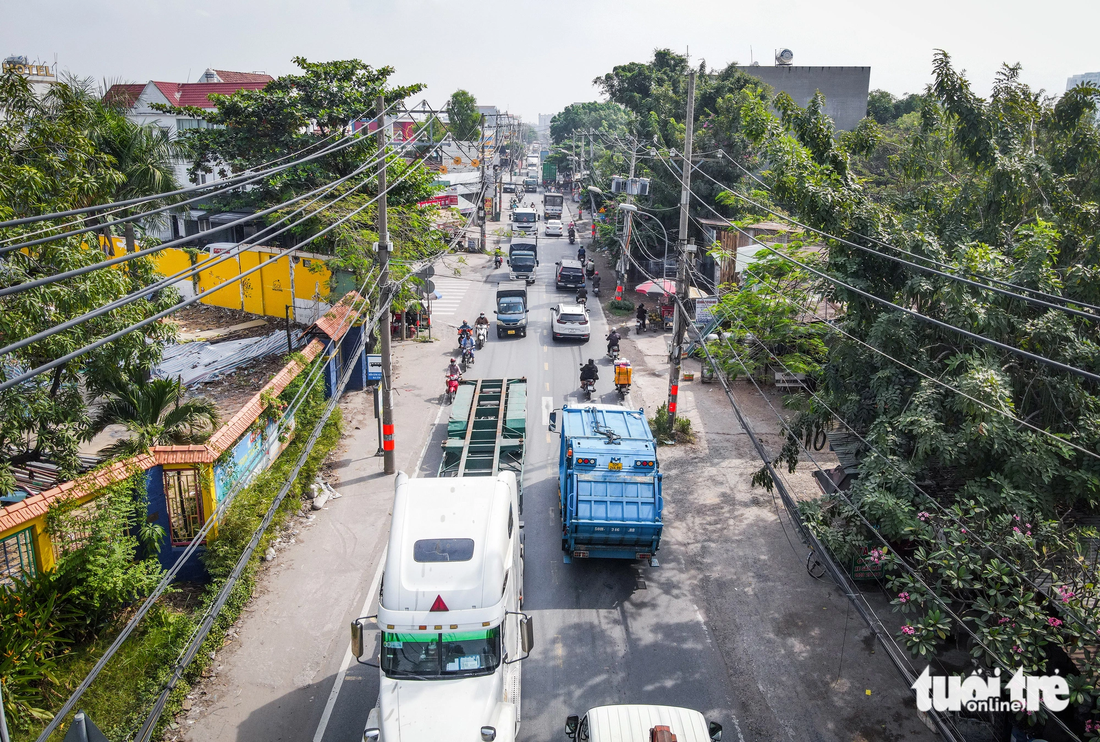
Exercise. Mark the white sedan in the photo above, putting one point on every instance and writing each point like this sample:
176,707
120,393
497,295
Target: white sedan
553,228
570,321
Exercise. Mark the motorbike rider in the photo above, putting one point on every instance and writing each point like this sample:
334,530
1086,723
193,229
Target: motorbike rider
589,371
464,330
641,315
481,320
596,281
613,339
580,253
453,369
582,295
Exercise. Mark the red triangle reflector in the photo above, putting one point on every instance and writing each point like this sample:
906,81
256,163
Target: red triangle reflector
439,605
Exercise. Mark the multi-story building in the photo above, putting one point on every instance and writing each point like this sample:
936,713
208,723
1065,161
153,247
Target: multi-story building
1075,80
138,100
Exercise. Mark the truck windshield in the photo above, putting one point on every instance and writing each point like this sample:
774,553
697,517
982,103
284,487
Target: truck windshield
524,218
441,656
552,199
510,305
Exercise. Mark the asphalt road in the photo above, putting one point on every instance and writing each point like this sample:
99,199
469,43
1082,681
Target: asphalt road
729,624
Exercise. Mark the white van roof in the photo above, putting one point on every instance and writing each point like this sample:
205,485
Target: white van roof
631,723
437,512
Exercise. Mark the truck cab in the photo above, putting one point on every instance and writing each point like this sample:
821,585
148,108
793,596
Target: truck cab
638,723
523,259
552,205
525,220
512,309
452,634
609,483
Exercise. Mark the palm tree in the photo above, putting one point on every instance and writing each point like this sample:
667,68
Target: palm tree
145,154
155,414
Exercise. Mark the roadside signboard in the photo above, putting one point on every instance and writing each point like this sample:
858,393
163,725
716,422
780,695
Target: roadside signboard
704,309
374,367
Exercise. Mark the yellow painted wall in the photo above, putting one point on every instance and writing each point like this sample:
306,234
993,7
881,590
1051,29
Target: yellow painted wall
171,261
309,285
217,274
251,285
275,285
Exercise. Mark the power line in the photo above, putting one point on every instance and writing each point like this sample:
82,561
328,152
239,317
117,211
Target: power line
190,189
933,271
186,302
937,263
924,318
53,278
205,625
936,504
199,268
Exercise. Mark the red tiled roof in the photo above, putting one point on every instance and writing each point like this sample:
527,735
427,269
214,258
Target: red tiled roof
198,93
125,95
337,320
227,434
11,516
230,76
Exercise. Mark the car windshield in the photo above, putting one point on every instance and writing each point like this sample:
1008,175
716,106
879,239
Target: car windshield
510,306
570,273
441,655
527,218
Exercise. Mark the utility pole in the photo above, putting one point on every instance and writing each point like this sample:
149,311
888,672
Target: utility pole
388,464
679,319
624,263
481,197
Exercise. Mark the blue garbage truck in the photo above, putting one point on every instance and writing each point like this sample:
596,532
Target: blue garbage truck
609,483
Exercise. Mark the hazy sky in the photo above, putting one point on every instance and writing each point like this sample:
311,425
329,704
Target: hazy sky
537,57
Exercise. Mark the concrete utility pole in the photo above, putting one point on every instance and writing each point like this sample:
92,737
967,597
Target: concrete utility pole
388,463
679,320
624,263
481,197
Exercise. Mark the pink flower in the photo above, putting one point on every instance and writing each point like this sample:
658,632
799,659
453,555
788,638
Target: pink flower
964,530
1017,649
903,597
1053,622
908,630
1066,593
1004,620
1027,525
876,555
924,515
1016,529
1016,518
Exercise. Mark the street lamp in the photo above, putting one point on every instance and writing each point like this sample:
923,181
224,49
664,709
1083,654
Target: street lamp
635,210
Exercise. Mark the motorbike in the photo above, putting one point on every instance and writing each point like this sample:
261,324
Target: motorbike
452,387
498,260
572,237
639,324
580,254
613,354
588,386
467,358
623,390
481,335
595,289
582,299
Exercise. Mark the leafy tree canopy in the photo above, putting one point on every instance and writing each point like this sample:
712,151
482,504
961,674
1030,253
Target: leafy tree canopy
610,118
62,151
293,112
464,117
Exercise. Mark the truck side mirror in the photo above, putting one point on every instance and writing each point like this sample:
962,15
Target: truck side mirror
527,634
554,421
571,723
357,638
715,730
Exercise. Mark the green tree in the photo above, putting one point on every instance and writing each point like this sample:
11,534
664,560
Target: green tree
464,117
610,118
251,127
154,412
886,109
1006,188
50,161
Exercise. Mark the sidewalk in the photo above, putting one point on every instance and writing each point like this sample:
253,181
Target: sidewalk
798,658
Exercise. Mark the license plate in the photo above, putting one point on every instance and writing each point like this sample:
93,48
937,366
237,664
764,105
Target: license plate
511,332
615,466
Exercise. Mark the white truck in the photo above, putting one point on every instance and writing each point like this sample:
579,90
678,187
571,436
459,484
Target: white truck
449,612
638,723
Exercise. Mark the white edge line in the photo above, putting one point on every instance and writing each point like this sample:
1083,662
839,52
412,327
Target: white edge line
348,656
